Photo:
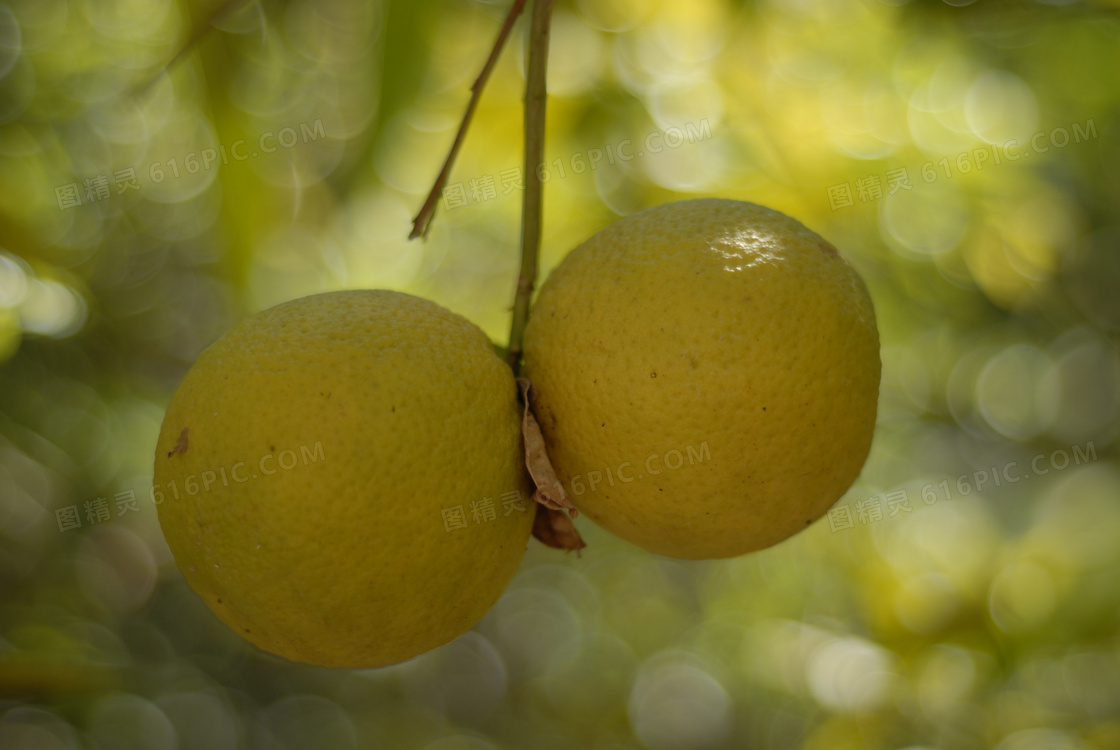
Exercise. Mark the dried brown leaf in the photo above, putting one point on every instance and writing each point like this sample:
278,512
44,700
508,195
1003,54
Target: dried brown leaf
553,524
553,528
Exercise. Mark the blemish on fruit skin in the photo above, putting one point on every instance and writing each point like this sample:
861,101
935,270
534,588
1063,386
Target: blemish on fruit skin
826,248
181,446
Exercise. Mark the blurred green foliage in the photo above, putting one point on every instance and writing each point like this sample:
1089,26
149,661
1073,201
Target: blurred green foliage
965,157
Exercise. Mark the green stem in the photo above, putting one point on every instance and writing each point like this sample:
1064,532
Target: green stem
535,94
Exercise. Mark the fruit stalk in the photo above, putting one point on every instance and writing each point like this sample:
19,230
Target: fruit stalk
535,94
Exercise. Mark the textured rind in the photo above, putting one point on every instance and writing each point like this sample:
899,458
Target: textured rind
713,325
344,559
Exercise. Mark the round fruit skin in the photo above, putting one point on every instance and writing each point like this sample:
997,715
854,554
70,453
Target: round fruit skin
394,409
721,330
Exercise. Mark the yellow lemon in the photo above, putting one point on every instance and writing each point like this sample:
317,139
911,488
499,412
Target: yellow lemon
707,375
341,478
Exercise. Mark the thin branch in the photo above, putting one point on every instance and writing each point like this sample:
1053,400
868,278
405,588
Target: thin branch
197,34
423,220
535,96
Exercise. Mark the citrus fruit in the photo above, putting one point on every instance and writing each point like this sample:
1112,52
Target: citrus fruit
341,479
707,374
